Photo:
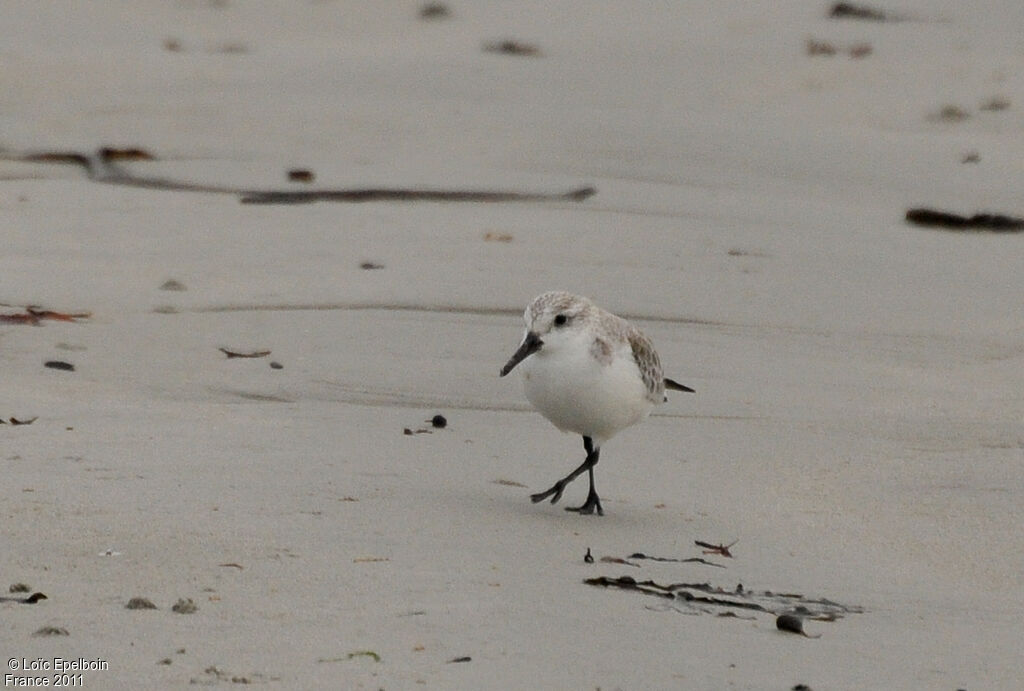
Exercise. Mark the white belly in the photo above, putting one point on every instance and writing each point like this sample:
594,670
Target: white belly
580,394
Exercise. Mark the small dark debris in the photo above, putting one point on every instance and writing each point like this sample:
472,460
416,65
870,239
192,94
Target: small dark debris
512,47
849,10
996,223
370,266
172,45
588,557
18,421
971,157
231,48
165,661
18,588
801,687
51,631
140,603
817,47
185,606
860,50
734,615
301,175
133,153
232,565
465,658
950,113
364,653
171,284
996,103
409,432
215,675
276,365
59,364
580,194
250,354
439,421
435,10
509,483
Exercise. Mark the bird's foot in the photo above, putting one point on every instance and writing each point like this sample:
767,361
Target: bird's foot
556,490
592,504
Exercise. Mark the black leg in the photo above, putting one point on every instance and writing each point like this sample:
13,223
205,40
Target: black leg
593,502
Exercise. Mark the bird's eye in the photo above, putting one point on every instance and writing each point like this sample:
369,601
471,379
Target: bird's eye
561,320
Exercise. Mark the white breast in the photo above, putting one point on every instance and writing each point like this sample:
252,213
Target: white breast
580,393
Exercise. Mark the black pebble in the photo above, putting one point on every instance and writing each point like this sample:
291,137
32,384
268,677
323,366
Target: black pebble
59,364
790,622
276,365
439,421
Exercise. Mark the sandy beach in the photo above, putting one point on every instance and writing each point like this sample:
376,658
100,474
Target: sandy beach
297,521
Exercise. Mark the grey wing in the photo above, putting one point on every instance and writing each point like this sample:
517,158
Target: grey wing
650,366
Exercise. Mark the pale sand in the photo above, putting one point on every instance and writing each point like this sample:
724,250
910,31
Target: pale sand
858,421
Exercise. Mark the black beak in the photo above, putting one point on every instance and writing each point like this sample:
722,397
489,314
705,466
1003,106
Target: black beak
531,344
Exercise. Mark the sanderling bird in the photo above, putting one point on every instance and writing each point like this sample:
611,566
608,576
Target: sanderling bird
589,372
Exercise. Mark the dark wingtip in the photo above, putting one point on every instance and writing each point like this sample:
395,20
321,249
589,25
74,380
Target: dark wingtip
676,386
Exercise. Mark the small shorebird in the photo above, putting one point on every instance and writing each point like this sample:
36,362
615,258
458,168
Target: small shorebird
589,372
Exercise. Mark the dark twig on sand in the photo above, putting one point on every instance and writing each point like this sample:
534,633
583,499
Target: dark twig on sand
103,166
30,600
674,590
374,194
981,222
250,354
34,316
720,549
849,10
698,594
691,560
